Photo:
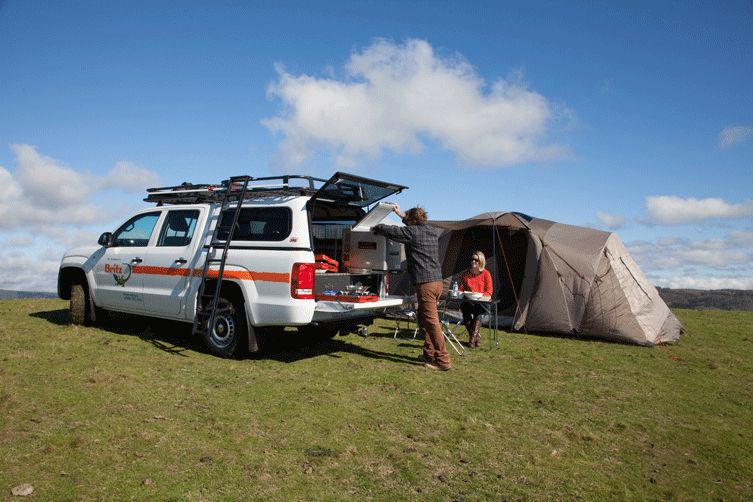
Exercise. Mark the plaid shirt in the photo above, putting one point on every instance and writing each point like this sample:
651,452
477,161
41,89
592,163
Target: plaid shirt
421,249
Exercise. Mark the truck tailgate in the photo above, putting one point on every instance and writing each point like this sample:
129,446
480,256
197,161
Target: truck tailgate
339,306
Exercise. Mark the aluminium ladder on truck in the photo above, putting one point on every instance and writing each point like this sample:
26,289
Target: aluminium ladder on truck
203,321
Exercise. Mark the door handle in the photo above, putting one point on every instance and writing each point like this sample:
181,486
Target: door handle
181,261
137,260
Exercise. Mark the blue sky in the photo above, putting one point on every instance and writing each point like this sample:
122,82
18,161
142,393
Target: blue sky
634,117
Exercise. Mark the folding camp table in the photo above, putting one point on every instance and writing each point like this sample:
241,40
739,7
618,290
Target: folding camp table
490,306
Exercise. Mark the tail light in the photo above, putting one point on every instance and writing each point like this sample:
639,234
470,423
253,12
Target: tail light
302,281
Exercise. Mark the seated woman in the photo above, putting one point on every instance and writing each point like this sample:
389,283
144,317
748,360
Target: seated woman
476,279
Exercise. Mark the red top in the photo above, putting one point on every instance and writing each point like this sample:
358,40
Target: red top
479,283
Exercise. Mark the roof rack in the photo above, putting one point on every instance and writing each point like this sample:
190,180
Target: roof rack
188,193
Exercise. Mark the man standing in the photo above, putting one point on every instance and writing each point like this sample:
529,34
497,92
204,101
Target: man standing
422,251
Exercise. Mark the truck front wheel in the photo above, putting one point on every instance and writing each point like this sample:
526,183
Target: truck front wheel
78,305
224,337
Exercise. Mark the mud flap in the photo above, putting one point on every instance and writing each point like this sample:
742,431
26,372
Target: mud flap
92,309
253,342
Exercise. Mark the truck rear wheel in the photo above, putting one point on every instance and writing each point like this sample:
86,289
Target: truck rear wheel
224,337
78,305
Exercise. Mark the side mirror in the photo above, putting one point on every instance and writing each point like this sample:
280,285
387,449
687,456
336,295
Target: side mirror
105,240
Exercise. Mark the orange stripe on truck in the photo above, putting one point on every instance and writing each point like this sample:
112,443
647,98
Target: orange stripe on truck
161,271
241,275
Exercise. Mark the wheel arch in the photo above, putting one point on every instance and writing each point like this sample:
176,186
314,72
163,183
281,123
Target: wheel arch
230,290
67,277
233,291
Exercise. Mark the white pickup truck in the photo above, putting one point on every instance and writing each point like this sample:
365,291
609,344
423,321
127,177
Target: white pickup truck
285,263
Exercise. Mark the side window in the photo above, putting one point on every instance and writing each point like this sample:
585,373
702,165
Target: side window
178,228
136,231
259,224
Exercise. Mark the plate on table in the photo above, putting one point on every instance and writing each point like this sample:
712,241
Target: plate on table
472,295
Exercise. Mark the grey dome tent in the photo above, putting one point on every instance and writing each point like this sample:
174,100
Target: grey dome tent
557,278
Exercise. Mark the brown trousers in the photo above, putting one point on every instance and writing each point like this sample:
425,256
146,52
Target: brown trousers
428,294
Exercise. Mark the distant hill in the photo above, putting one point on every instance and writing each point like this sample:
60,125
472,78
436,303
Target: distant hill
22,295
701,299
696,299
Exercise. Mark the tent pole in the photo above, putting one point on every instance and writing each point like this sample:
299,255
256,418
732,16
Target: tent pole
494,248
496,274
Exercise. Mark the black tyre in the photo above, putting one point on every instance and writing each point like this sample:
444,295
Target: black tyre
78,305
225,337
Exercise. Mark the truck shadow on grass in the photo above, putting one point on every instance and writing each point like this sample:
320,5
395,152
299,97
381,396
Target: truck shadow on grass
296,348
175,338
170,336
60,317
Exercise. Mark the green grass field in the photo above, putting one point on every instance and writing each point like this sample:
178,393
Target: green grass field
136,410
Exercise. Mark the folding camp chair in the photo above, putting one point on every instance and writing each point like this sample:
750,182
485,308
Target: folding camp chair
407,315
446,319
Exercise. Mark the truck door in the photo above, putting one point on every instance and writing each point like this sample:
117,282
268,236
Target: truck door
118,273
169,266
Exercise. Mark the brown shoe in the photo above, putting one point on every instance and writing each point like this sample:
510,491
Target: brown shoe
432,366
474,327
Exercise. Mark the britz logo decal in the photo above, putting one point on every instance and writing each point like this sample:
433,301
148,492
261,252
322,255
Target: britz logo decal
121,272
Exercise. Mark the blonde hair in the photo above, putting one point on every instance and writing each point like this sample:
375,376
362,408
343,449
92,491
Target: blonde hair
481,260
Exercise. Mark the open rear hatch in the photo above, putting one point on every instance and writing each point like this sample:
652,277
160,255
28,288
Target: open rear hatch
354,190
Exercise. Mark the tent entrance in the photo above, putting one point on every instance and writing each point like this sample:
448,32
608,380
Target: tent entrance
505,259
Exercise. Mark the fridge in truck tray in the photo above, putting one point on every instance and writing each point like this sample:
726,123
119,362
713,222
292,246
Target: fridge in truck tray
362,250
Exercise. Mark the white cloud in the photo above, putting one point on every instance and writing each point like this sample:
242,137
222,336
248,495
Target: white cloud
45,203
671,241
673,210
733,135
611,221
395,97
684,282
700,264
711,244
22,241
129,177
9,188
18,272
742,238
712,258
45,182
672,253
43,195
